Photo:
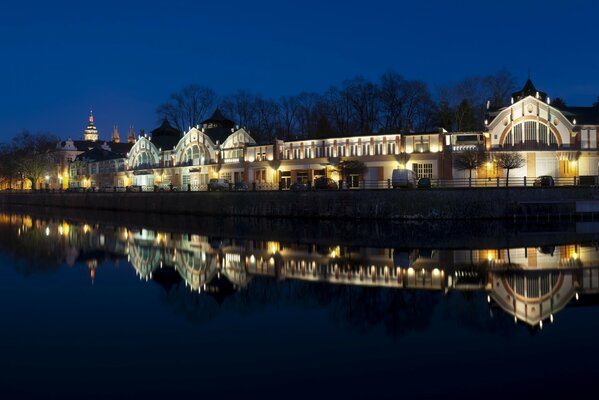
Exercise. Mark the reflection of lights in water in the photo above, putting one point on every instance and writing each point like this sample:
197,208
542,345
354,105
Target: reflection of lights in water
60,230
47,231
574,256
252,259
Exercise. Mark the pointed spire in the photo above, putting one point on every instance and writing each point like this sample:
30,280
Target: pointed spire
91,132
131,137
116,137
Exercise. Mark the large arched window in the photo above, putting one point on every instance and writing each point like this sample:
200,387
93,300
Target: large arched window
194,155
530,134
143,160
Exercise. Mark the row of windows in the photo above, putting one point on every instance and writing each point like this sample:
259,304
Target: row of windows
341,151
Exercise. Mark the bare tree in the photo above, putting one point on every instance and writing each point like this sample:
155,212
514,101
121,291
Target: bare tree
32,155
339,111
9,167
469,160
499,87
260,116
418,106
351,167
558,103
289,110
363,98
311,111
188,107
392,100
509,161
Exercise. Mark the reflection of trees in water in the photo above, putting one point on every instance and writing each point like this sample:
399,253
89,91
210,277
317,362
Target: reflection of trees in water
359,308
364,308
193,306
29,247
470,310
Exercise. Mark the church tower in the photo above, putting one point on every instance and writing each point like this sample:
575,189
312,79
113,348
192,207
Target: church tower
91,132
116,138
131,137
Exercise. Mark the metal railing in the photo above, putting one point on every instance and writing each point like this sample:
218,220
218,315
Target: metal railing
384,184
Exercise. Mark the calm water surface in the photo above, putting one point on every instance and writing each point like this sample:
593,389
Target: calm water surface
101,307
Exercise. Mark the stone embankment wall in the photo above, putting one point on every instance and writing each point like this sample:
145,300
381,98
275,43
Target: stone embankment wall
360,204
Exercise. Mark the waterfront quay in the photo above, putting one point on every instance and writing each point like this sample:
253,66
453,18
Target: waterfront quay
406,204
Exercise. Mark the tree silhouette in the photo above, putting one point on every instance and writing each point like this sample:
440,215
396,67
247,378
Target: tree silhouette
469,160
509,161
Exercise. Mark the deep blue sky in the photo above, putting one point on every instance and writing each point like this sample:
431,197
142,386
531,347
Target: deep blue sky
125,58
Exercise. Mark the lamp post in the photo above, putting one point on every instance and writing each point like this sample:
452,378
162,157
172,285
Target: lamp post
47,181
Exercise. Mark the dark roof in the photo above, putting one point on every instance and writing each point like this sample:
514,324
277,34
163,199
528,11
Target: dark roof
120,148
165,129
218,127
220,288
165,137
84,145
218,118
166,277
582,115
529,89
97,154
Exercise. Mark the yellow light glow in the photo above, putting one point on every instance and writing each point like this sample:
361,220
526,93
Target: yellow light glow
273,247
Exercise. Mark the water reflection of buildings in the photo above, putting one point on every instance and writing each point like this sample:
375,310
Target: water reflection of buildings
532,284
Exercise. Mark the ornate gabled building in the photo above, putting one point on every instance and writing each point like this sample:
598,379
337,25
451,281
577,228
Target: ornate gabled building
561,142
558,142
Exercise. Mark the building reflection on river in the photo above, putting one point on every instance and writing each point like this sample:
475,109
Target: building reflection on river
532,284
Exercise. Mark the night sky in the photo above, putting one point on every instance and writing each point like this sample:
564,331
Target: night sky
125,58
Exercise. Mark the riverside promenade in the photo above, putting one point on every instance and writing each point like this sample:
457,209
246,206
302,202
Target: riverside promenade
407,204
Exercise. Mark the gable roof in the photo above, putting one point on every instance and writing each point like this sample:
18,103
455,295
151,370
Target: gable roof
218,127
165,137
97,154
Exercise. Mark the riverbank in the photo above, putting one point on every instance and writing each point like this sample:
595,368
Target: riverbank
436,204
437,234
